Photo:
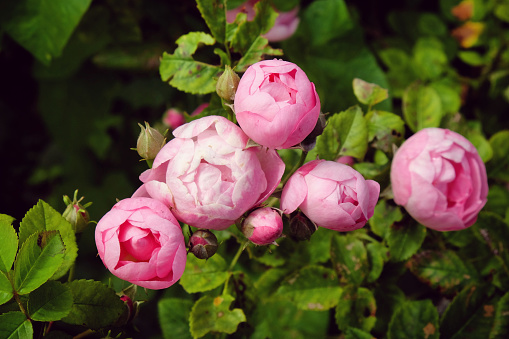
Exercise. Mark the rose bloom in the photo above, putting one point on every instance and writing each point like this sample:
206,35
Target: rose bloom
139,240
331,194
208,177
440,179
275,104
263,226
285,25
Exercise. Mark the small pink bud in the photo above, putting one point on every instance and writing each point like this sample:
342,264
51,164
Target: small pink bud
76,213
346,160
263,226
173,118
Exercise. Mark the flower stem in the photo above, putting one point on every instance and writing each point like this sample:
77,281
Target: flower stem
303,156
232,264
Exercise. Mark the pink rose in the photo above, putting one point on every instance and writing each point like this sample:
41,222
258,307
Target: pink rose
200,109
208,177
263,226
286,23
331,194
140,241
438,176
346,159
173,118
276,105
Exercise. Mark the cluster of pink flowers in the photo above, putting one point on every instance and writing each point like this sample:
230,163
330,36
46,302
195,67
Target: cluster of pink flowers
210,176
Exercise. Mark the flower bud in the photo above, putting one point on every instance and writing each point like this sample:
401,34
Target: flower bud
227,84
173,118
301,227
263,226
203,244
310,141
76,213
149,142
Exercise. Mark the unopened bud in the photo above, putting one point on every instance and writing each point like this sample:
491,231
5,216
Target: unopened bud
76,213
227,84
203,244
310,141
173,118
149,142
263,226
301,227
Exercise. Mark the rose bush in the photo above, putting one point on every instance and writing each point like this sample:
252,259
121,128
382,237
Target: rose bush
139,240
286,23
208,177
331,194
263,226
440,179
275,104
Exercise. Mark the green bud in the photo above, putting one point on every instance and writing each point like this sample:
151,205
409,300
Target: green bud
149,142
227,84
76,213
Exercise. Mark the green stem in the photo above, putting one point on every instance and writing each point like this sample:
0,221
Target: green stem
71,273
83,334
20,304
232,264
303,156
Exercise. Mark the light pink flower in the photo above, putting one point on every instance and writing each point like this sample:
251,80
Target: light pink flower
331,194
285,26
208,177
263,226
440,179
173,118
139,240
276,105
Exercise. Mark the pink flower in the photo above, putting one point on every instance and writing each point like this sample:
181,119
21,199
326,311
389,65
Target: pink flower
140,241
276,105
286,23
438,176
173,118
346,159
208,177
331,194
200,109
263,226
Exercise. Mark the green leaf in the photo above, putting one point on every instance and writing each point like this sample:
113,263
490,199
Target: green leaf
405,239
422,107
39,258
50,302
443,269
465,315
500,327
384,217
472,58
5,289
285,5
494,232
346,134
268,255
213,12
388,298
312,288
388,129
15,325
213,314
450,95
270,281
280,318
174,317
414,319
42,217
95,304
377,255
355,333
326,20
349,258
243,33
356,308
43,27
185,73
368,93
255,52
429,58
498,166
9,243
203,275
